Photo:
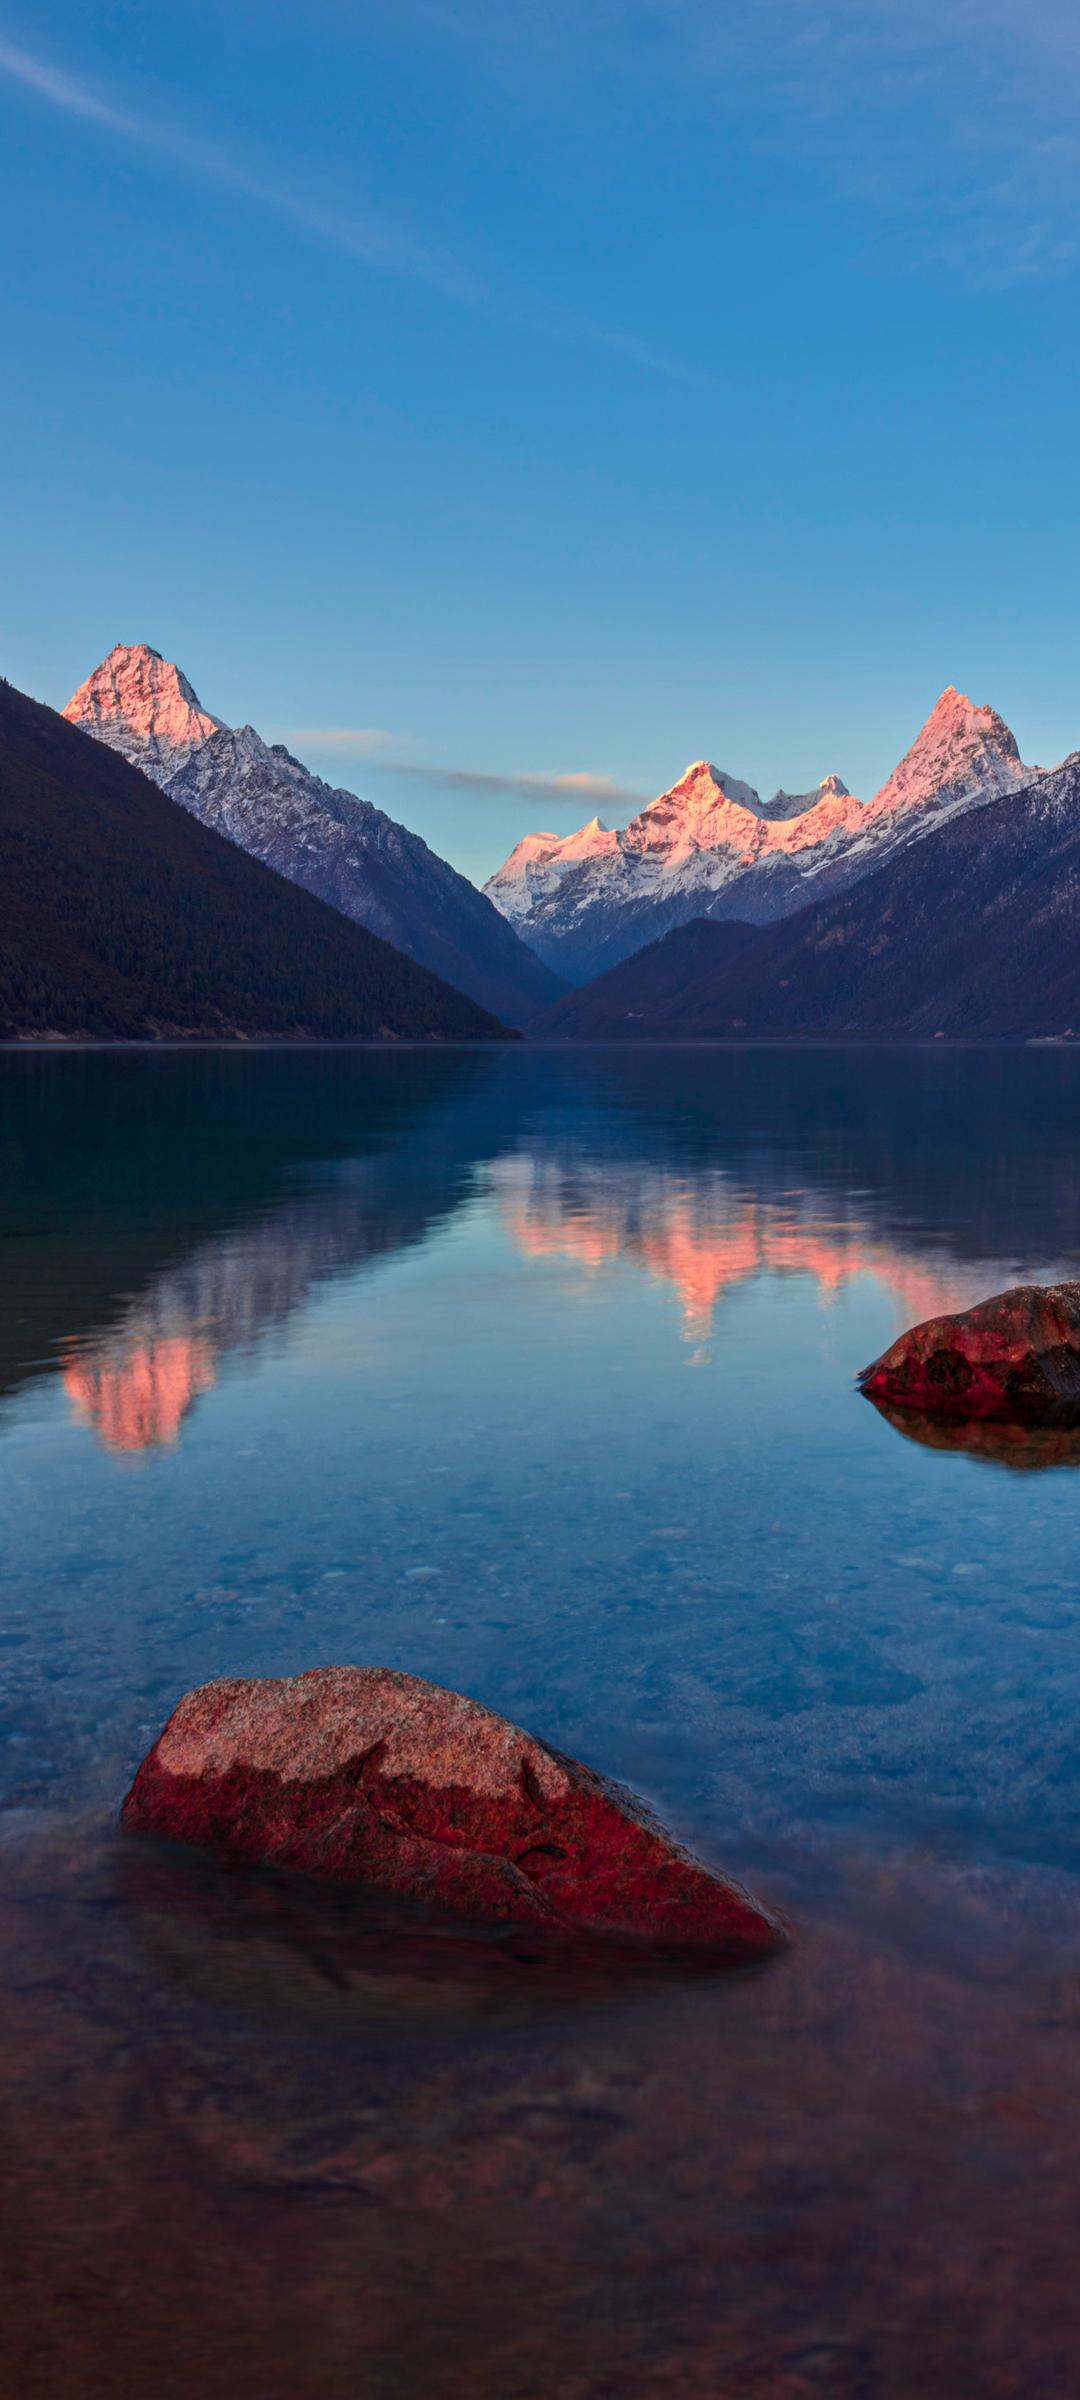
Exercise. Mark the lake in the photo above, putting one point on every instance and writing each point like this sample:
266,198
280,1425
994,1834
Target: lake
533,1372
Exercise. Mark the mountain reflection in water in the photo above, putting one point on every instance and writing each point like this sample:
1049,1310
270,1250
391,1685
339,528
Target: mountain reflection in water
589,1160
137,1383
702,1237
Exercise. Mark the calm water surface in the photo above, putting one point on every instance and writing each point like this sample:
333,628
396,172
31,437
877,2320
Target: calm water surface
533,1373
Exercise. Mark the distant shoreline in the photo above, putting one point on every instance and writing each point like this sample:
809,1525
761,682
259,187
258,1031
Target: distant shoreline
63,1045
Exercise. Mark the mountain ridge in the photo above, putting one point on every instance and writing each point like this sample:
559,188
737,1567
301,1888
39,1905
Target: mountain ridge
987,947
323,838
125,918
707,847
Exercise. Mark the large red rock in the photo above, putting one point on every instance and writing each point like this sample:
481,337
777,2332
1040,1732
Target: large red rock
363,1775
1016,1357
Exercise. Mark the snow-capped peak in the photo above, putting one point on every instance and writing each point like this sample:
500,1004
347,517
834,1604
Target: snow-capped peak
590,841
710,847
705,810
699,788
142,705
795,804
540,860
961,750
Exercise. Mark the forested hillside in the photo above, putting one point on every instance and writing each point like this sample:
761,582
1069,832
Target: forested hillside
122,916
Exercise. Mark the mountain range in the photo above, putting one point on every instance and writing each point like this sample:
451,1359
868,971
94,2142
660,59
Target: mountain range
709,847
340,847
974,934
121,916
949,904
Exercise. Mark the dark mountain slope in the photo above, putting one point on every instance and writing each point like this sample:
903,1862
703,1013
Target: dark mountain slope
121,915
335,845
975,934
621,1005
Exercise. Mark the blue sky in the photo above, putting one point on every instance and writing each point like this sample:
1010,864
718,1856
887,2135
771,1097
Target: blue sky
475,395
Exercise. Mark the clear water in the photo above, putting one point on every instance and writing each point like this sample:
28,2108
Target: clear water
532,1372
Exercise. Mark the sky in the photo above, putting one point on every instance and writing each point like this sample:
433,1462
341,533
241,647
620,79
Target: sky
505,402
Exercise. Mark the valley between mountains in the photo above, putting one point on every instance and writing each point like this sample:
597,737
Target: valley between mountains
337,846
166,874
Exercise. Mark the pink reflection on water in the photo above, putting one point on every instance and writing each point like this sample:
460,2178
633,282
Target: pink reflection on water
137,1396
705,1239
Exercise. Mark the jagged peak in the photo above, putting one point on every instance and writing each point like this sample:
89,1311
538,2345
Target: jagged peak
141,703
962,743
797,804
703,784
955,708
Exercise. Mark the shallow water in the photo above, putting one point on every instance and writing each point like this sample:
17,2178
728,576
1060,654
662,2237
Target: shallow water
533,1372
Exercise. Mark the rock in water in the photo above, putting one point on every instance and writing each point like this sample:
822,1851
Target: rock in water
363,1775
1016,1357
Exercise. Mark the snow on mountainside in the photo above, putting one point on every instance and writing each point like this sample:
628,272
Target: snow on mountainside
796,804
977,939
533,870
143,707
963,753
334,844
710,848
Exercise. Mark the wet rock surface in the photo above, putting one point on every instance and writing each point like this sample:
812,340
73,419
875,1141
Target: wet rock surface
362,1775
1014,1358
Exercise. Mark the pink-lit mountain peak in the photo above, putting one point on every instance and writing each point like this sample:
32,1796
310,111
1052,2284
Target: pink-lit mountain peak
703,788
708,809
962,748
590,841
710,847
786,805
142,705
705,808
541,858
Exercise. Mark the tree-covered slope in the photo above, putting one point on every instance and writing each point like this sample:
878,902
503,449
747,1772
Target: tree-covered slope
331,842
973,934
122,916
625,1004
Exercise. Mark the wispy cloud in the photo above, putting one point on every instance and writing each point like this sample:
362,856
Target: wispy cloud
643,354
373,240
956,117
594,791
358,741
628,346
376,242
579,788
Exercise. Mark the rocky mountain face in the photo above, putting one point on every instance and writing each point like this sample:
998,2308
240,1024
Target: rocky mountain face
977,938
796,804
710,847
122,916
337,846
143,707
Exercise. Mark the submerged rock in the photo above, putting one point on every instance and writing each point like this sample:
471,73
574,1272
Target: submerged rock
1015,1358
363,1775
